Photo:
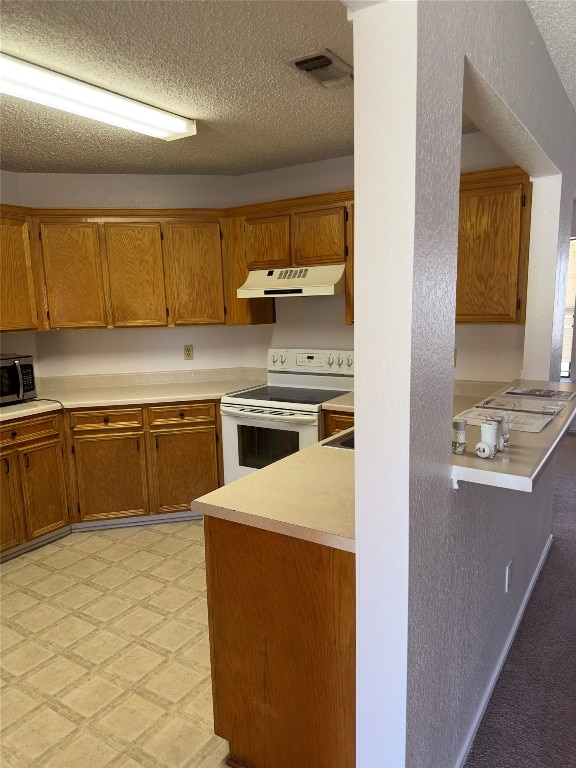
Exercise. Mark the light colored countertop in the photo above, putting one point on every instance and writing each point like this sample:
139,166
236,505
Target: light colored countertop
137,389
309,495
518,467
342,404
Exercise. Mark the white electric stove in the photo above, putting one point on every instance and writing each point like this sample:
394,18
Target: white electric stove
263,424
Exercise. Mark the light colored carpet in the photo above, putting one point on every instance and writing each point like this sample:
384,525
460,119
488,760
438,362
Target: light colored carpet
105,653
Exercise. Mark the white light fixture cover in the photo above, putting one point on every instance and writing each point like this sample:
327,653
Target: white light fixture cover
27,81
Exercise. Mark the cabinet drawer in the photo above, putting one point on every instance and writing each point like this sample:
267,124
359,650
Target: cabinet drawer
182,414
107,418
336,421
28,429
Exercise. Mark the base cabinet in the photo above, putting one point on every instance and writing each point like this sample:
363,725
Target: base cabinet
12,510
281,617
111,475
143,460
182,466
336,421
33,480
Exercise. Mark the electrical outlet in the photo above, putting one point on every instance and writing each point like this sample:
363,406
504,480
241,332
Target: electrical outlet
188,352
508,577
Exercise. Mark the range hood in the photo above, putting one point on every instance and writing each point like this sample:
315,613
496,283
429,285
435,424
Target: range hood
294,281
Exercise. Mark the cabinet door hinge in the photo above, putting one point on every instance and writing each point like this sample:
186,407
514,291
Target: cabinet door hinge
523,201
167,312
217,437
345,215
78,505
48,314
225,310
518,303
221,235
346,250
161,235
39,234
73,451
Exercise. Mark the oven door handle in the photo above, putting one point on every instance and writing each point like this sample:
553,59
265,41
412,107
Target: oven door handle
232,410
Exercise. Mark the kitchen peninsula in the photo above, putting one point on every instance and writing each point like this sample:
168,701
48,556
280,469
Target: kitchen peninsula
281,591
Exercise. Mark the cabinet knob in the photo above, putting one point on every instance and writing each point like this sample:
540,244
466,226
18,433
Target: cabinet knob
181,414
106,419
13,434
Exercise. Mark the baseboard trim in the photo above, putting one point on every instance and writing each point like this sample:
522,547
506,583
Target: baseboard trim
127,522
496,674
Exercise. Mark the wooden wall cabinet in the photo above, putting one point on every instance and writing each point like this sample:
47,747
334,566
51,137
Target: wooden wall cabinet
135,270
106,272
493,245
74,274
140,461
240,311
301,237
193,273
337,421
18,307
33,479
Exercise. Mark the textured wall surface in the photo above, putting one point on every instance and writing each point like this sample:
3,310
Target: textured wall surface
460,542
443,551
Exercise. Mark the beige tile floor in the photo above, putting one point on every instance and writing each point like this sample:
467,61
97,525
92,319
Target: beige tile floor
105,657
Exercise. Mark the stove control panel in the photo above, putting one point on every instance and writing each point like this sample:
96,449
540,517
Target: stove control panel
312,361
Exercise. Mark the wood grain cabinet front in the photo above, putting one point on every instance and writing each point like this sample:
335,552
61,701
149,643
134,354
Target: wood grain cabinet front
136,274
74,274
111,475
493,244
183,464
304,237
336,421
193,271
33,479
143,460
18,308
281,614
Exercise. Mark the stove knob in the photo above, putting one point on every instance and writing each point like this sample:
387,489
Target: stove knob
349,361
339,361
282,359
330,360
274,359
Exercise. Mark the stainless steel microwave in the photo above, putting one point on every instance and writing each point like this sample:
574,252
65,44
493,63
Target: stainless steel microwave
17,377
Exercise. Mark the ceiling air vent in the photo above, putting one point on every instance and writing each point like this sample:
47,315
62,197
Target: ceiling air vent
325,68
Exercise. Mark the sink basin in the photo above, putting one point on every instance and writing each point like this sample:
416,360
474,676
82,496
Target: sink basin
345,440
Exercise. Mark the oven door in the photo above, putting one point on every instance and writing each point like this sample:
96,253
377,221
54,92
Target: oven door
255,438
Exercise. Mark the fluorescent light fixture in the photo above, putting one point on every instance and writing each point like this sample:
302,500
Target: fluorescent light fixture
27,81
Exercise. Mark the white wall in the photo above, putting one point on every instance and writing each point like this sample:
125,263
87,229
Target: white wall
100,190
430,560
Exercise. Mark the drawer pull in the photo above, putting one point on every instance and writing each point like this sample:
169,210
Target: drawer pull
137,443
26,461
13,434
106,419
181,414
7,465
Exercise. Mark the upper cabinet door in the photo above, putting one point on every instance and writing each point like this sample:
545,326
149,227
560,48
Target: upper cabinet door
319,236
489,251
193,273
73,269
18,311
134,254
267,241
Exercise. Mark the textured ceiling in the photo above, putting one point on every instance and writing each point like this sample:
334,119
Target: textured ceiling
222,62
